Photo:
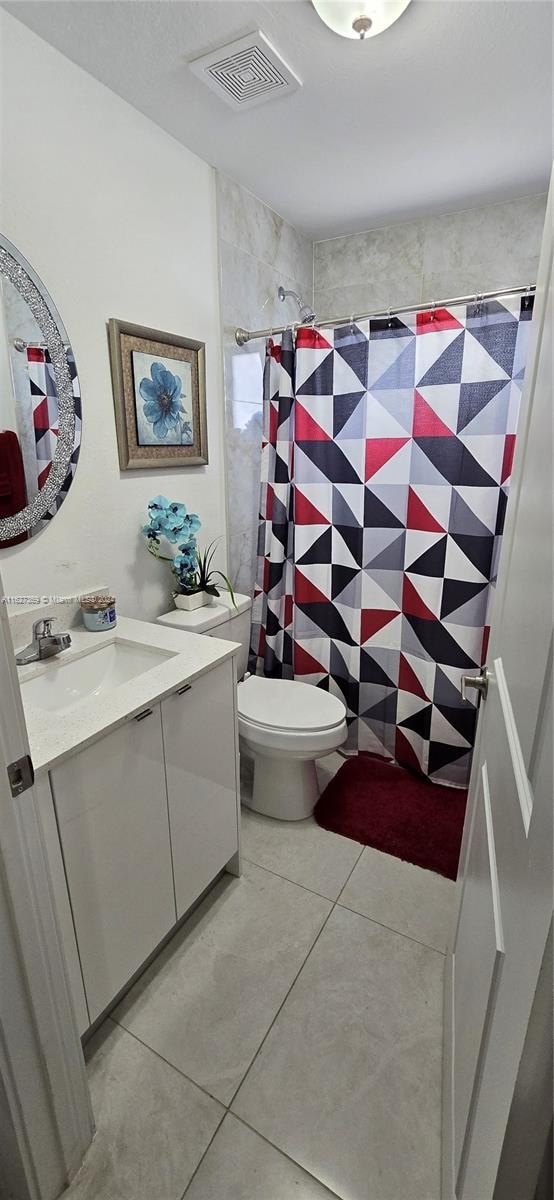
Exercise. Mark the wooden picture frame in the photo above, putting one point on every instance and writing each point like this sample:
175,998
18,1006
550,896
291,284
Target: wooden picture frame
159,390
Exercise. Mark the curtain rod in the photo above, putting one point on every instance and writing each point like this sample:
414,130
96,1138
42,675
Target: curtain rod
21,345
242,336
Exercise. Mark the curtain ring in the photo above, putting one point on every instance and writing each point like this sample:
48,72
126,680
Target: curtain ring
433,309
389,311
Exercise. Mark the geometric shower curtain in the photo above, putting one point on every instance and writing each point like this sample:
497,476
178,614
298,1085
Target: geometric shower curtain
386,461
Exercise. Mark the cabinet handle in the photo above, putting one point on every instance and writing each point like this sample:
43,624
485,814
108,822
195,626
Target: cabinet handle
186,688
146,712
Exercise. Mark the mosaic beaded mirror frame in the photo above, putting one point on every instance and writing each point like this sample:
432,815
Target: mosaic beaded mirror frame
15,268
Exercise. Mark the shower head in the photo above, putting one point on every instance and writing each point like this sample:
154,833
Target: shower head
307,313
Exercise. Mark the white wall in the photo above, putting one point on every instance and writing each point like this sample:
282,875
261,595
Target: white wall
475,250
118,220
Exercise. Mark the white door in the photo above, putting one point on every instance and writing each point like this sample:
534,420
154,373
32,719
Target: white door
199,730
505,884
45,1115
111,807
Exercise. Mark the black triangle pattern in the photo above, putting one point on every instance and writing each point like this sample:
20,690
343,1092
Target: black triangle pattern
354,350
331,460
455,462
320,383
431,562
474,397
456,592
499,340
447,368
420,722
319,551
343,407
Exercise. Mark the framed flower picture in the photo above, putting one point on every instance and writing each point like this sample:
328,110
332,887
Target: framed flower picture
159,389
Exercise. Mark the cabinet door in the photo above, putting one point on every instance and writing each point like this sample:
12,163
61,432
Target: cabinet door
111,804
200,750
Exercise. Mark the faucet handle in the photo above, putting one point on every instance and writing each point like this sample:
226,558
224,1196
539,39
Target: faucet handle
42,627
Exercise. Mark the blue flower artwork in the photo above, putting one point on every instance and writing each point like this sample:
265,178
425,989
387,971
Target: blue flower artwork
163,400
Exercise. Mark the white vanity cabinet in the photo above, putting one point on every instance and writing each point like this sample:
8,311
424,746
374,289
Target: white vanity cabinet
147,816
111,806
199,745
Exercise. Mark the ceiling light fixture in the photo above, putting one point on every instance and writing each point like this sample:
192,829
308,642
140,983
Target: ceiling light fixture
361,19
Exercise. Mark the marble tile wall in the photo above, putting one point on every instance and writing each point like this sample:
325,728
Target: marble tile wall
478,249
258,251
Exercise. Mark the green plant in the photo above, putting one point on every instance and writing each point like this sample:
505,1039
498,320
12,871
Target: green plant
205,575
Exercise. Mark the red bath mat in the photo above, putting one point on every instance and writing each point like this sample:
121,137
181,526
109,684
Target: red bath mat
384,806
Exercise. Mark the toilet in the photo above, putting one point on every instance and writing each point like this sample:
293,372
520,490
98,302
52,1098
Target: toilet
284,725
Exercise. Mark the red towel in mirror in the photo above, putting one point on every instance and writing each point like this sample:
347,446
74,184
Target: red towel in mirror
13,490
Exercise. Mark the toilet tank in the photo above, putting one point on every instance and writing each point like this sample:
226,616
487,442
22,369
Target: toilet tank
220,619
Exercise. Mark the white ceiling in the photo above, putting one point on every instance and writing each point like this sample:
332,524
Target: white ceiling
450,107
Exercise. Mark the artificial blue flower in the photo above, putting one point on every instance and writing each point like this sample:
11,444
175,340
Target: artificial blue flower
191,524
158,504
162,394
170,518
151,533
186,562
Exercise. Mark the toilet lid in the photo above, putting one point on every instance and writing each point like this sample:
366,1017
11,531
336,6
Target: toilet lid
288,704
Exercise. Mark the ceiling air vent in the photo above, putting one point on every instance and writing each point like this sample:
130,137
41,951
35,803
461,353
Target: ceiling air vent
246,72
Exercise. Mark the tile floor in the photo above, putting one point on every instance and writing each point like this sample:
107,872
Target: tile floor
287,1042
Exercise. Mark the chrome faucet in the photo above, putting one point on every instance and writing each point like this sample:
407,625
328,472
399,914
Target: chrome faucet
45,644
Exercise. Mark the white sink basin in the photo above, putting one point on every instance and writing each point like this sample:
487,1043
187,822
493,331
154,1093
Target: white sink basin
65,684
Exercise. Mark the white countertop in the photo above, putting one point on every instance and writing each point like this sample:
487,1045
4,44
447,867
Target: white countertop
54,735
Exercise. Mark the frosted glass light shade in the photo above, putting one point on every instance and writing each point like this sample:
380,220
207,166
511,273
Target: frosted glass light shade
339,15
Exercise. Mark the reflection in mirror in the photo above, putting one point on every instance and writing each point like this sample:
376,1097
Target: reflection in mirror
34,424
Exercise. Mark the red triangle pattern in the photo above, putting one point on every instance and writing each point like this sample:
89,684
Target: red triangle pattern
419,516
426,421
405,753
273,422
374,619
305,664
311,339
305,513
287,615
306,429
408,680
412,604
440,318
306,592
378,451
485,646
269,497
507,461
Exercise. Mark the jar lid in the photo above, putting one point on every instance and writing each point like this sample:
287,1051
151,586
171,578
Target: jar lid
96,603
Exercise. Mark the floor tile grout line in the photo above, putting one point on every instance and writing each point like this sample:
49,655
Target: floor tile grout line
283,1002
390,928
312,891
298,973
179,1071
221,1103
284,1153
201,1160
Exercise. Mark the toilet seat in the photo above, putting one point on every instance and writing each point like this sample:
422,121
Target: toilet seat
287,704
286,715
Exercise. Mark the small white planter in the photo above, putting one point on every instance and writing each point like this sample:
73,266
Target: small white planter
194,600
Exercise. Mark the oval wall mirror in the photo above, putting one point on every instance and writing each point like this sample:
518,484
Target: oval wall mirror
40,404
